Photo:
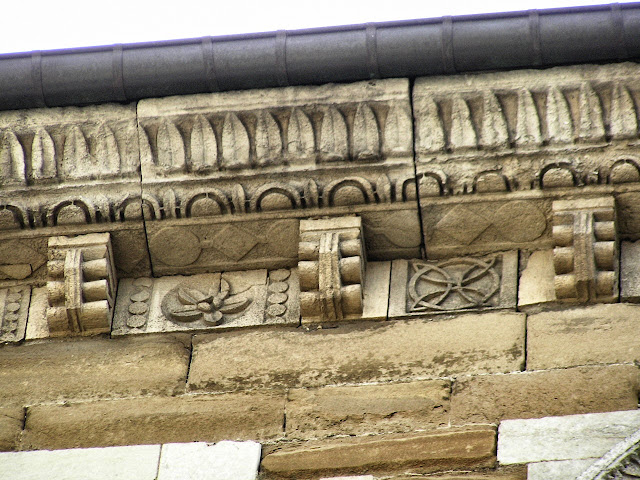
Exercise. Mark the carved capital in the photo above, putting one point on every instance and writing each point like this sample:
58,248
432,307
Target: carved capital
585,256
81,284
331,269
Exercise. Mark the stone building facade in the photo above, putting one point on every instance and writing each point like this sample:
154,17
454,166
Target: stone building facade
400,278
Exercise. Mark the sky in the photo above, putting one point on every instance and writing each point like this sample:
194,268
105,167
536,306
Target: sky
45,25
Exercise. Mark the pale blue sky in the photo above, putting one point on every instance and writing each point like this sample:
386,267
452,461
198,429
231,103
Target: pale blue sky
50,24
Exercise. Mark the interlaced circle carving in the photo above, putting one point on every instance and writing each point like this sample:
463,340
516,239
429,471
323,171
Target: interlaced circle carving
458,283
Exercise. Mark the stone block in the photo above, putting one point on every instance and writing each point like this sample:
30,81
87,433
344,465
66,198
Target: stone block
11,422
481,343
630,272
359,477
493,398
393,231
93,368
139,462
424,287
207,302
400,407
37,325
145,420
537,280
376,291
558,470
200,461
580,336
570,437
511,472
442,450
14,310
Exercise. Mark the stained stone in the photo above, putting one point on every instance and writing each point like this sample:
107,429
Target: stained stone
558,470
201,461
537,280
630,272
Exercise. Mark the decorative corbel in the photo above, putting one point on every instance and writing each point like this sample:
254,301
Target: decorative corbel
585,256
81,285
331,268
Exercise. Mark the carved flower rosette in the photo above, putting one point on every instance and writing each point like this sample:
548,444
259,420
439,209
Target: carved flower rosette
208,307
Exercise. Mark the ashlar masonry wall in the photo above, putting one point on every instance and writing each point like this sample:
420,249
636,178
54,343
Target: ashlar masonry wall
367,279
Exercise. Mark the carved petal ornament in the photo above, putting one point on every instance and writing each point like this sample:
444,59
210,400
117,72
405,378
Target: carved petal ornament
184,304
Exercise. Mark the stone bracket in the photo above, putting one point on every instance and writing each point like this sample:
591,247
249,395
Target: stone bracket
332,269
81,285
585,256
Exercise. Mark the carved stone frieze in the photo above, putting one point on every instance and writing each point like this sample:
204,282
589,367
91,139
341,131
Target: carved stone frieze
14,309
292,127
81,285
207,301
585,256
332,269
420,287
486,132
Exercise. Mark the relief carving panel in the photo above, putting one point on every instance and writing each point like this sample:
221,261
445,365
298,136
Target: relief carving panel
420,287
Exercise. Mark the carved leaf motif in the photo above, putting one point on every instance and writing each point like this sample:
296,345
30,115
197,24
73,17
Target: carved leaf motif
12,165
383,188
300,137
204,147
107,153
430,130
494,127
146,157
190,296
170,146
397,131
239,199
463,135
232,305
591,121
559,124
75,154
43,155
333,136
235,143
311,195
623,114
366,136
527,120
268,140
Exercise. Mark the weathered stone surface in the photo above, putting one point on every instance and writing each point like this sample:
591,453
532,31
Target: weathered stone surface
147,420
14,309
37,325
11,421
558,470
536,284
81,285
597,334
564,438
630,272
394,231
511,472
468,226
207,302
191,246
97,367
585,254
222,461
493,398
492,342
139,462
359,477
332,266
399,407
443,450
421,287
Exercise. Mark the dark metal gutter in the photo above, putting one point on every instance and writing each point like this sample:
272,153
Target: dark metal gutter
120,73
